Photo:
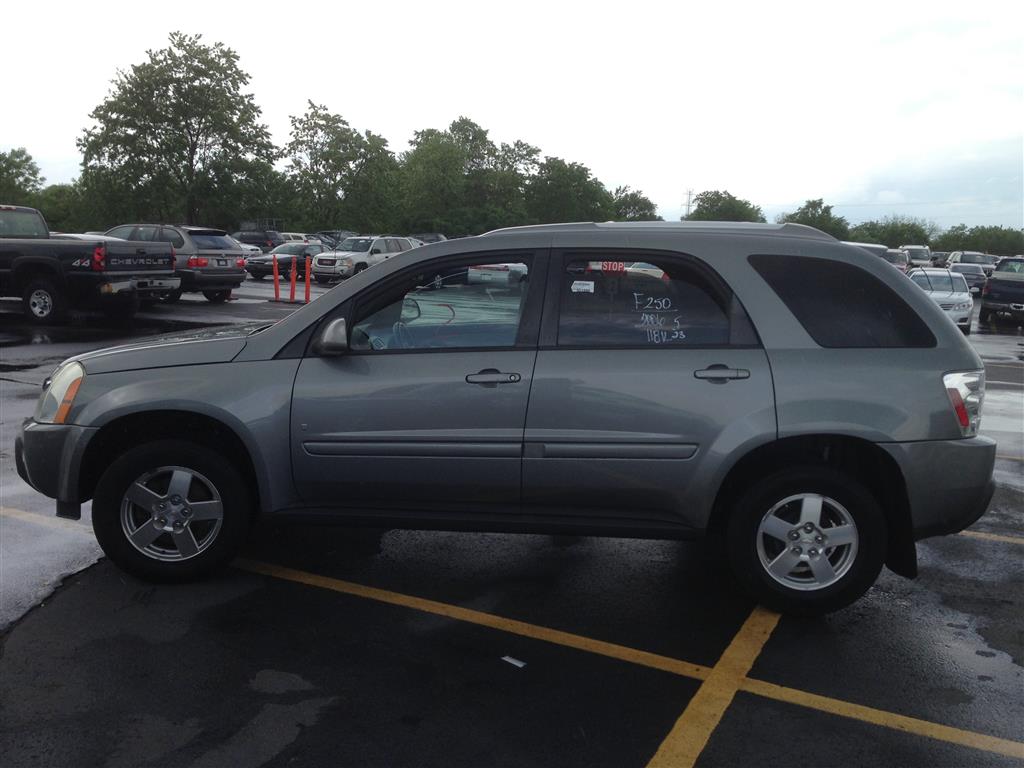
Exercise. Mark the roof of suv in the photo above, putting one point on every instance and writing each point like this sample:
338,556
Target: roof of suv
724,227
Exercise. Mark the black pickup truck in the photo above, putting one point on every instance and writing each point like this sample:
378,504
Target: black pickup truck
1003,294
52,274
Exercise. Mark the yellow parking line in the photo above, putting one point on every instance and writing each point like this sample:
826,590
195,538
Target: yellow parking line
690,734
993,537
885,719
50,521
558,637
746,644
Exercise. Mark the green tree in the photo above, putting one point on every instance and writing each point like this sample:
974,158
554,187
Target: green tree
19,177
633,205
323,152
715,205
893,231
814,213
1002,241
173,125
563,192
61,206
370,202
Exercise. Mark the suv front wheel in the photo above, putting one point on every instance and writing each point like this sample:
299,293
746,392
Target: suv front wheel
170,511
807,540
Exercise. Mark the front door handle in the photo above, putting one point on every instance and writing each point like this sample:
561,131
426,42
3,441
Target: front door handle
493,377
719,374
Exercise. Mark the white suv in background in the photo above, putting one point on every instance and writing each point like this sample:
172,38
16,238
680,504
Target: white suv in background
354,254
920,255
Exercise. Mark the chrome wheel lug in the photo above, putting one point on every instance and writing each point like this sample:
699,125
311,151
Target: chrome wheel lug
794,535
186,512
175,499
161,521
808,528
813,552
798,550
819,539
161,506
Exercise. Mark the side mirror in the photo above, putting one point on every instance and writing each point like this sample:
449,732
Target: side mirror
374,250
334,339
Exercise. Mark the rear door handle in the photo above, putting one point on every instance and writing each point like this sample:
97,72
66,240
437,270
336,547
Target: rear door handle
492,377
719,374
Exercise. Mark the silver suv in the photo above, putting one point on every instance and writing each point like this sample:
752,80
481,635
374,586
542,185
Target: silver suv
208,261
762,386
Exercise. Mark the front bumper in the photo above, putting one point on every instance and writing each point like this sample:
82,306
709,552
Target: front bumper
1012,308
949,482
49,458
336,271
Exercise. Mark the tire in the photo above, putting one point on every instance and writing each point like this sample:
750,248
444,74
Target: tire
258,277
359,268
985,316
214,540
799,590
217,297
322,280
43,302
966,330
171,297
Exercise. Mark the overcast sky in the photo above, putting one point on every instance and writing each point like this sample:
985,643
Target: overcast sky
894,107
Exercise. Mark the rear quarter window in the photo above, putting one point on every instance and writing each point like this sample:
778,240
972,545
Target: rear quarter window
841,305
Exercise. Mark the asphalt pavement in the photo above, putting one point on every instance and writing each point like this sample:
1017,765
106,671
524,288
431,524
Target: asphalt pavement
331,646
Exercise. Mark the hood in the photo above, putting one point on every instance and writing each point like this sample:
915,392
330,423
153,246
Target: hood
342,254
199,347
959,298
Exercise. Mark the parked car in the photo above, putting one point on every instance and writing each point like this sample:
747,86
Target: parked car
897,258
266,240
246,248
1003,294
354,254
263,265
920,255
876,248
949,290
429,237
939,258
986,262
973,274
504,275
727,398
54,274
207,260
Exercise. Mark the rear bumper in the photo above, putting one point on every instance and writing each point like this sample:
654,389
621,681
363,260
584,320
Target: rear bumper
949,482
139,284
49,456
1012,307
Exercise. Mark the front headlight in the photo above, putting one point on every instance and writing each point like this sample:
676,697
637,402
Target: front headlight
345,262
55,404
965,305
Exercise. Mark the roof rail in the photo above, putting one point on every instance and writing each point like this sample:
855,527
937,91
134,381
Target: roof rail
735,227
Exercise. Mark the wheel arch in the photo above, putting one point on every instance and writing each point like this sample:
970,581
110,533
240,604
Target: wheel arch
26,270
129,430
860,458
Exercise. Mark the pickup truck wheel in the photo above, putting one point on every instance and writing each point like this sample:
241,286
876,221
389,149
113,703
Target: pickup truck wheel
43,302
217,297
984,316
170,297
170,511
807,541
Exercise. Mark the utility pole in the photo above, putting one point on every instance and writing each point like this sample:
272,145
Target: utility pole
689,198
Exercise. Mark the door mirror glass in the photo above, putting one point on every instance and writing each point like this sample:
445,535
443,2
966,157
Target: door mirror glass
374,250
334,339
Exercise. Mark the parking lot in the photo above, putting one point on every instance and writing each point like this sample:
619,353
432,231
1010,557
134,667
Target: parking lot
330,646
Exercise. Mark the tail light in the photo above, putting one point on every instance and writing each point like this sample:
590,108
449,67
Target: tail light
198,261
984,290
966,391
240,263
99,258
269,244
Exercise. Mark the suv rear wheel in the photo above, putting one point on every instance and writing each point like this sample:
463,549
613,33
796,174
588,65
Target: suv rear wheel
170,511
807,540
217,297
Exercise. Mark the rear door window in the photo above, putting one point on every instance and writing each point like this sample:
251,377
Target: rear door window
145,234
172,236
841,305
613,300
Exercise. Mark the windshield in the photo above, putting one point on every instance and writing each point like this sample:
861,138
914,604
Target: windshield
291,249
969,269
895,257
940,282
974,258
1013,266
27,224
355,244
